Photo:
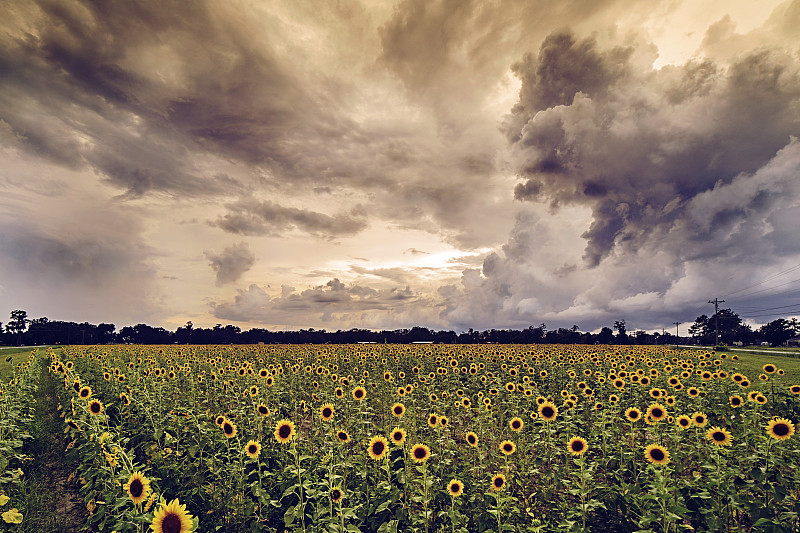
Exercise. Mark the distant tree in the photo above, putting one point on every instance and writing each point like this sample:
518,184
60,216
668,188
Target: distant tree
18,324
777,332
606,336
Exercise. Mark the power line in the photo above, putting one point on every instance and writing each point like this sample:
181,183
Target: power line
769,278
769,288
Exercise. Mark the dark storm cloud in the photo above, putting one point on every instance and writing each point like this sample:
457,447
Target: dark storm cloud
249,217
637,146
146,84
234,261
294,308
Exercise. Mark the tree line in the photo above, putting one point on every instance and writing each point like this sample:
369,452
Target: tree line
725,325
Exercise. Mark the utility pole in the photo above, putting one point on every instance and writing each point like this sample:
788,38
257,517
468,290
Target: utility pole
716,303
677,337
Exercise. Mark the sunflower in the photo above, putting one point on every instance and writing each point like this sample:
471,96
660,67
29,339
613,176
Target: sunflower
656,454
433,420
326,412
172,517
337,494
219,420
684,422
284,431
420,453
700,419
633,414
455,488
253,449
577,445
657,412
398,436
399,409
472,439
693,392
507,447
794,389
548,411
719,436
342,436
262,409
138,487
229,429
95,407
736,401
769,368
377,447
498,481
516,424
780,428
359,393
85,392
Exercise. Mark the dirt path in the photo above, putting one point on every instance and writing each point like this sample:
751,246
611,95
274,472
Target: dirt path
58,507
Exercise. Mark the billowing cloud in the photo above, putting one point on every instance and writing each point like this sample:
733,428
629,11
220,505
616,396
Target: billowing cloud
638,145
234,261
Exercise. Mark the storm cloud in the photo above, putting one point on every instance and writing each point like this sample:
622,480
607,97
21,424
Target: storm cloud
638,145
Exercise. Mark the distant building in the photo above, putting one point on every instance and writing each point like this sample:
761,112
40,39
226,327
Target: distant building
794,341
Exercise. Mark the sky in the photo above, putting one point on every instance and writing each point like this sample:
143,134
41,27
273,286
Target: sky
452,164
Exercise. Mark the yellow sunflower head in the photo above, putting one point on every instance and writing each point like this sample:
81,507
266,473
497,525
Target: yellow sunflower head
719,436
172,517
337,494
137,487
699,418
633,414
85,392
95,407
228,429
252,449
326,412
359,393
420,453
398,436
684,422
284,431
548,411
498,482
656,454
399,409
780,428
516,424
377,447
455,488
577,446
472,438
507,447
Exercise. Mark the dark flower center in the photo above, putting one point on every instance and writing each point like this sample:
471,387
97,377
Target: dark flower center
227,428
95,407
284,431
137,488
471,439
499,482
781,430
378,448
326,412
420,453
516,424
657,413
171,524
656,454
718,436
397,436
336,494
547,412
507,447
577,446
454,487
252,449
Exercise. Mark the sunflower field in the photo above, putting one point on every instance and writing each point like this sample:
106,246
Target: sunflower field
385,438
